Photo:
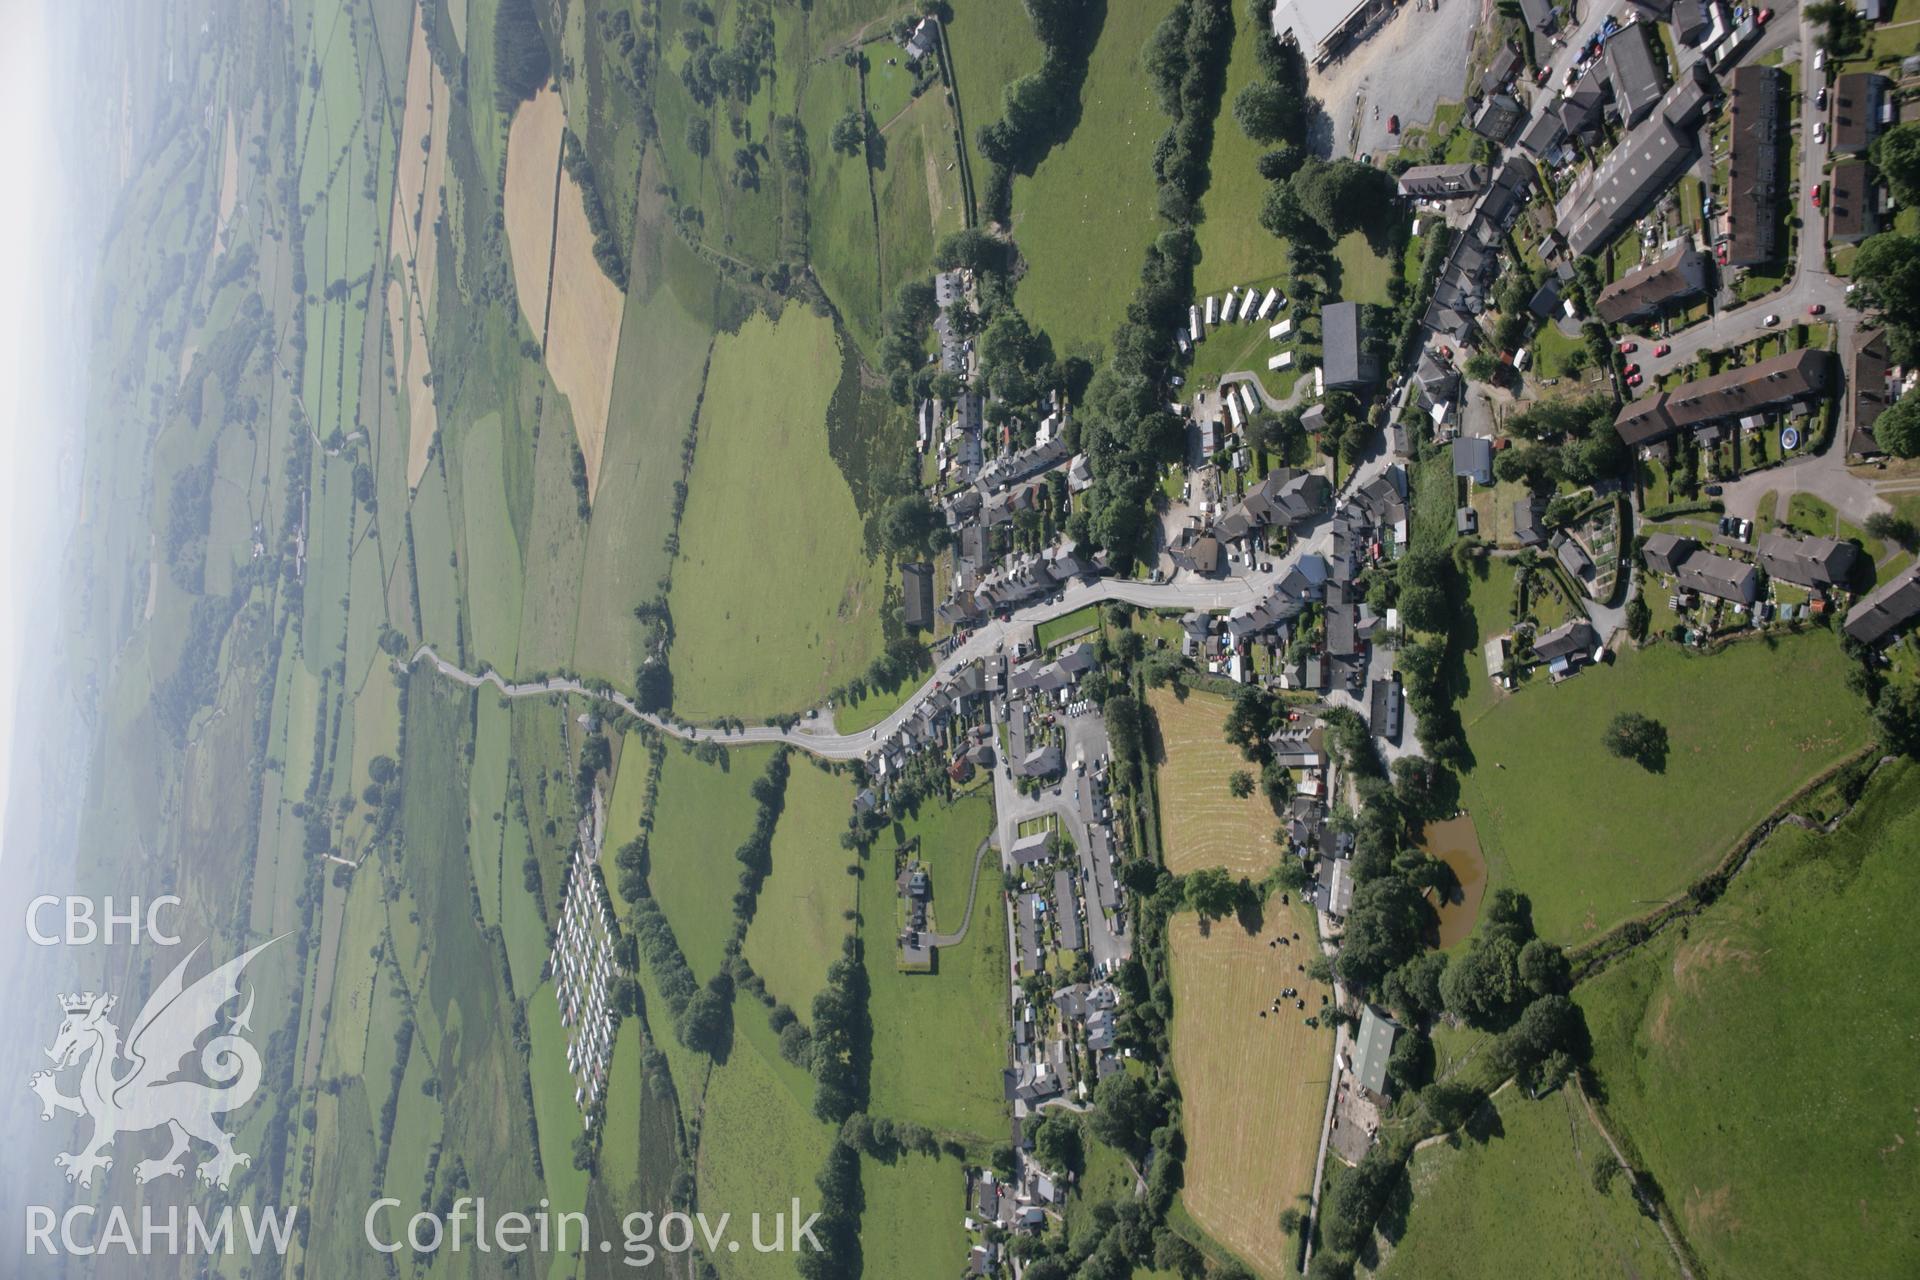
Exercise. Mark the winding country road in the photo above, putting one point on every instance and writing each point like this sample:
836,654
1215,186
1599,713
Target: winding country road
819,736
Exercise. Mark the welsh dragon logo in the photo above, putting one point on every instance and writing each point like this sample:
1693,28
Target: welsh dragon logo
150,1092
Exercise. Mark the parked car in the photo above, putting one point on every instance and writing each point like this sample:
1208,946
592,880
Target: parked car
1713,491
1393,124
1664,348
1633,379
1763,17
1629,347
1771,321
1817,309
1816,195
1631,369
1820,98
1820,131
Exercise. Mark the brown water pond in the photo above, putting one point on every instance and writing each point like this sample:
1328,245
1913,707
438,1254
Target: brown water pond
1457,844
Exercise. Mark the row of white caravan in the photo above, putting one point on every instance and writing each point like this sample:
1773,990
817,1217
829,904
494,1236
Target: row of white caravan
1236,306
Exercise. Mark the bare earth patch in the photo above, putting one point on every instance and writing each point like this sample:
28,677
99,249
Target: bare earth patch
416,204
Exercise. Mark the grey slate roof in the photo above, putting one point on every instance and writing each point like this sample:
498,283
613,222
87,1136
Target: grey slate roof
1891,607
1343,347
1814,563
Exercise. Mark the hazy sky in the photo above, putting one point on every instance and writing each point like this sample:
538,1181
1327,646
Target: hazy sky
31,425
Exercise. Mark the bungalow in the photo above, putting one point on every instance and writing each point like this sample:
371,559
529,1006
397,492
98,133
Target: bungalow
1528,515
1818,564
1891,608
1473,458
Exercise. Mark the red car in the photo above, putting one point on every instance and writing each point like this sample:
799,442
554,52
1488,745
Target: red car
1393,124
1634,381
1817,309
1720,254
1628,348
1762,18
1631,369
1663,349
1816,195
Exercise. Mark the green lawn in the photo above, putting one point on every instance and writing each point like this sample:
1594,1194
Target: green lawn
774,601
801,919
945,1032
1761,1060
1517,1198
1086,216
1594,839
1363,273
1078,623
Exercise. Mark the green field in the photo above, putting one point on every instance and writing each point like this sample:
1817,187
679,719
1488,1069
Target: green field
759,1146
1593,839
1086,216
1234,248
701,817
796,934
1515,1196
1761,1058
912,1222
946,1031
774,601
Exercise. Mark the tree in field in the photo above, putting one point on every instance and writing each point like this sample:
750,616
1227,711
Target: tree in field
849,133
1240,784
1211,892
1124,1112
1898,427
1641,739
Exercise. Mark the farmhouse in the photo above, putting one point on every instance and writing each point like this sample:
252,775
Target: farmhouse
1757,114
1443,181
1791,378
1891,608
1344,357
1655,287
1817,564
